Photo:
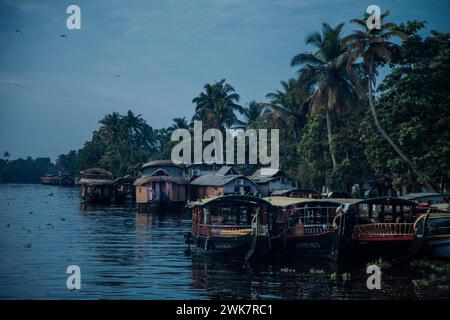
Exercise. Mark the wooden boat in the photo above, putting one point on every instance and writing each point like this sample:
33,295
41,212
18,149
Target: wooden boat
124,189
437,234
231,224
96,185
308,227
383,227
58,179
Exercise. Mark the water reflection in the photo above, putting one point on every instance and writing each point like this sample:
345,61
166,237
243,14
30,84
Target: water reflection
129,255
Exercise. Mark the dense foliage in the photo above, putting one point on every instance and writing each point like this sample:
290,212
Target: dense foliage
337,128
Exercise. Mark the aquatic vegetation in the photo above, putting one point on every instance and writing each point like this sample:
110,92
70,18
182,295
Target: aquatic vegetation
316,271
380,263
287,270
346,276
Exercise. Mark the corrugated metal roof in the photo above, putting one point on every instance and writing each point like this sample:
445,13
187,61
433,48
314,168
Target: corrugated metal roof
216,180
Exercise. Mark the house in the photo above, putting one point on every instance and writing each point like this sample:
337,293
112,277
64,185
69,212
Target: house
225,181
162,185
270,180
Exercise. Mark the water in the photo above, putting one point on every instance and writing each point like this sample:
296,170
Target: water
128,255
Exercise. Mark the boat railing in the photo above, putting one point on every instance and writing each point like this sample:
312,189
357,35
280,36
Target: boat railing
438,232
305,230
223,230
383,229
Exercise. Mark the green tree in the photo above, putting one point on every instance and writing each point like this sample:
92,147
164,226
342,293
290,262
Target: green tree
216,106
375,49
327,69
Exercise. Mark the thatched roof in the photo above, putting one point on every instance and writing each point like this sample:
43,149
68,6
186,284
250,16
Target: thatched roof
98,171
147,179
127,178
157,163
97,182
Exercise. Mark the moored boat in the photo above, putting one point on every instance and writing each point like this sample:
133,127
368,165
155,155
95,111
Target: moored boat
437,235
96,185
308,227
231,225
385,227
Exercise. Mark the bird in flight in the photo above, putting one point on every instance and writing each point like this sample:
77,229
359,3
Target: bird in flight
18,31
63,36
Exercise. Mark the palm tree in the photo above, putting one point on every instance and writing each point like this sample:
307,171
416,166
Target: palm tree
290,106
375,49
216,105
326,69
178,123
6,155
252,115
111,130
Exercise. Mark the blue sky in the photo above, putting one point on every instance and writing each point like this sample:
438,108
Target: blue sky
54,90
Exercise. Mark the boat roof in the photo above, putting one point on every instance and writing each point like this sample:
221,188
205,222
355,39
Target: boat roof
225,198
388,201
290,201
420,195
288,191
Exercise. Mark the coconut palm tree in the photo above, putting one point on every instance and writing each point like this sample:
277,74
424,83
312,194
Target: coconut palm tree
111,131
178,123
375,49
289,107
252,115
216,106
326,69
6,155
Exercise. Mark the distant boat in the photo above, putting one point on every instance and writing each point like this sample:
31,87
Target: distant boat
57,179
96,185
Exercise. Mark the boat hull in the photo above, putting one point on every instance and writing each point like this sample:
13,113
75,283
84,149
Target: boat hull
439,248
401,248
324,245
234,246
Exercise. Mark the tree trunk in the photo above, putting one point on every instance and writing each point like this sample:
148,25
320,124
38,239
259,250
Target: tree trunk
395,146
333,157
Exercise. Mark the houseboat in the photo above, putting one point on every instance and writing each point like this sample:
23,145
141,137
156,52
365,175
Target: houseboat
124,189
437,234
231,225
162,187
96,185
307,227
382,227
58,179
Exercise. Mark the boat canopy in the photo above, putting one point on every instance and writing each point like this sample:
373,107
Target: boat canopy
387,201
288,201
229,198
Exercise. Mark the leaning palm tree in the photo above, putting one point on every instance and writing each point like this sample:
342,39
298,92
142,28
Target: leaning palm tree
216,106
289,107
326,69
375,49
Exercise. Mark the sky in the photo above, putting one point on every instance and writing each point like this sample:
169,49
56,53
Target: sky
153,57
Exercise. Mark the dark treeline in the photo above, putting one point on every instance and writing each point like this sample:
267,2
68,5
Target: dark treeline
337,125
24,170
